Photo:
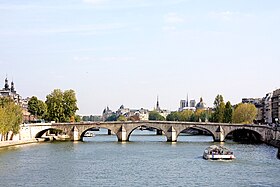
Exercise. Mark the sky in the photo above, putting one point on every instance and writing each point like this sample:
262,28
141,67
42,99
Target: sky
128,52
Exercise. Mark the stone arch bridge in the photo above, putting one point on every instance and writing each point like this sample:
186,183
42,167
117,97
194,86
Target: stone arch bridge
171,130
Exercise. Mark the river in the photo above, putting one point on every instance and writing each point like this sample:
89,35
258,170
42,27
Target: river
147,160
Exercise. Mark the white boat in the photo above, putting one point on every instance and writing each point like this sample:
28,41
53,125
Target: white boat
89,134
215,152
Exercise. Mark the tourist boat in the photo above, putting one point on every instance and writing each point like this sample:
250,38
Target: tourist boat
215,152
89,134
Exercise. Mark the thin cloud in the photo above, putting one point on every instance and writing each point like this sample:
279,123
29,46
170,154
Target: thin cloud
75,29
106,59
173,18
229,15
95,2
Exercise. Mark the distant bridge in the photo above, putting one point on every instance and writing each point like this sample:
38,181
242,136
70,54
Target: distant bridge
171,129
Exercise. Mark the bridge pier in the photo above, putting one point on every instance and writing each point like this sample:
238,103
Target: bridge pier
219,135
171,135
122,135
74,134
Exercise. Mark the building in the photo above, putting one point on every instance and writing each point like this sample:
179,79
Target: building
106,113
192,103
275,106
162,112
10,92
201,105
267,109
187,105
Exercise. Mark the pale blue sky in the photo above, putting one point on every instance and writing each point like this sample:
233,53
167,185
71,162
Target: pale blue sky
114,52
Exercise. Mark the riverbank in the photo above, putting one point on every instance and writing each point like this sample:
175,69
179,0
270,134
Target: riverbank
18,142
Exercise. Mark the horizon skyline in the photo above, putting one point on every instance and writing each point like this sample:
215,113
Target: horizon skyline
155,105
128,52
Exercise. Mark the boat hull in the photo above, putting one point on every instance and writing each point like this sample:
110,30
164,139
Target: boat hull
218,157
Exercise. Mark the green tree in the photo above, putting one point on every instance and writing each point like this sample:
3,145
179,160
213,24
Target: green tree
37,107
244,113
228,113
10,117
219,109
173,116
121,118
113,117
155,116
61,106
78,118
69,103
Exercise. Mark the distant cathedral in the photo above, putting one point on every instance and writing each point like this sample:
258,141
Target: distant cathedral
10,92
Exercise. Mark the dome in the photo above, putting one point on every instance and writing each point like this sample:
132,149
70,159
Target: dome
201,104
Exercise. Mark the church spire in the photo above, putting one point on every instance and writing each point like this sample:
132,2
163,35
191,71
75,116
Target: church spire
12,86
187,104
157,106
6,87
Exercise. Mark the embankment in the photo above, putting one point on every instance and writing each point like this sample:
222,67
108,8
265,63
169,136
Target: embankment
18,142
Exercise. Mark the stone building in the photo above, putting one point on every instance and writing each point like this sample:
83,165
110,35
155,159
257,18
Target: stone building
267,108
201,105
275,106
10,92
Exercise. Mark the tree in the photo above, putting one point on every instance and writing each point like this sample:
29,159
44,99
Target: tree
228,113
113,117
121,118
173,116
37,107
244,113
61,106
10,117
69,104
219,109
155,116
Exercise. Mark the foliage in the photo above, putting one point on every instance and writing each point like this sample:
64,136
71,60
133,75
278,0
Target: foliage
189,115
10,117
91,118
155,116
219,109
61,106
121,118
173,116
37,107
244,113
78,118
112,118
228,113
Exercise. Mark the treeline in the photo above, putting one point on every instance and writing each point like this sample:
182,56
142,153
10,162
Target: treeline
221,113
10,117
59,107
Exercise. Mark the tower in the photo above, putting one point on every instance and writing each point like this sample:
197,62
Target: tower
157,105
12,86
187,104
6,87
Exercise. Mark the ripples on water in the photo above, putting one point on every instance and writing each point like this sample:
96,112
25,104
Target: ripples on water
147,160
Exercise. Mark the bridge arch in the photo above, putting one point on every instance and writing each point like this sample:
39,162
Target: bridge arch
145,125
245,135
42,132
83,132
197,128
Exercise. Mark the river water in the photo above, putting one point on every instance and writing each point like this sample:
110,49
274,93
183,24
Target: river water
147,160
